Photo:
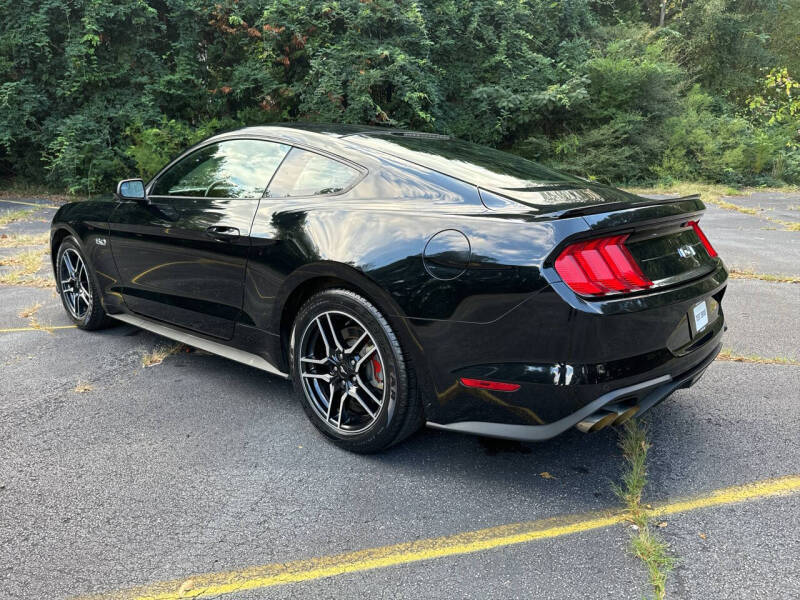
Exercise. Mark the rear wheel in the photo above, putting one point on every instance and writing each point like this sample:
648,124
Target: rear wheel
79,292
357,386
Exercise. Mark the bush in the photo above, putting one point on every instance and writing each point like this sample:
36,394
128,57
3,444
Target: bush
587,85
634,85
706,143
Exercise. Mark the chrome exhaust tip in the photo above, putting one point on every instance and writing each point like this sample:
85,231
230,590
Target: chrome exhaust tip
623,412
597,421
626,414
608,415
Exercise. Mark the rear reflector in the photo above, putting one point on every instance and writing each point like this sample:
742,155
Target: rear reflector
709,248
497,386
601,266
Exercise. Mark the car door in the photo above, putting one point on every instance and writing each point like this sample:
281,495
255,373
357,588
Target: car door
181,254
305,188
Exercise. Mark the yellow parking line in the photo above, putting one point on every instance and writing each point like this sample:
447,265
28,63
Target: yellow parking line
732,495
42,328
259,577
28,203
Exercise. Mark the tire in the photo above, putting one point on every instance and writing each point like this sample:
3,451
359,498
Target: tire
341,379
87,312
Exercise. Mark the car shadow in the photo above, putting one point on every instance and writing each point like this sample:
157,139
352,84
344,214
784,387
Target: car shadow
581,467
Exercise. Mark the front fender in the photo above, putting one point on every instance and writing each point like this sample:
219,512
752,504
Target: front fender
87,223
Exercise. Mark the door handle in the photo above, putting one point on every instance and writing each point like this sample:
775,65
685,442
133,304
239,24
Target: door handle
222,232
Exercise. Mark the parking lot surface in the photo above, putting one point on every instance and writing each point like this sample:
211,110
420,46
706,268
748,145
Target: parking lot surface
115,476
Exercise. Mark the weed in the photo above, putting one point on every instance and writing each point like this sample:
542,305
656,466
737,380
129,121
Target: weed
654,553
157,356
25,265
749,274
645,545
730,355
30,311
22,240
12,216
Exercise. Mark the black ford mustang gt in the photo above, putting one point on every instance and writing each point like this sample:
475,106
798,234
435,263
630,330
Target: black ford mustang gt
401,278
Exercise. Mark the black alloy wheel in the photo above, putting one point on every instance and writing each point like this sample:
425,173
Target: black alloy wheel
356,384
79,292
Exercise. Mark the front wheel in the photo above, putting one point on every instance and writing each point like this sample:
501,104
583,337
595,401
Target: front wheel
79,292
356,385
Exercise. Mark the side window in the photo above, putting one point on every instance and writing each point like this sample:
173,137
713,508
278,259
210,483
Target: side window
232,169
306,173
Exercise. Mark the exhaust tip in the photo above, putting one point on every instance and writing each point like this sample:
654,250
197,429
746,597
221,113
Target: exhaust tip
605,420
596,421
626,415
608,415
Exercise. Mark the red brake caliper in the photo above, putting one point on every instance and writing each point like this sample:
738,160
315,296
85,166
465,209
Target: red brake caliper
376,369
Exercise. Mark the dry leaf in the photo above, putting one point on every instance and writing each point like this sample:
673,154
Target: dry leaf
703,535
546,475
661,525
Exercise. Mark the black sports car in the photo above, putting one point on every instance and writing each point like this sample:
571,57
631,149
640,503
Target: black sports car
401,278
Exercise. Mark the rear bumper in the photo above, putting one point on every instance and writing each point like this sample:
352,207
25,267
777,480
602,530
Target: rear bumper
568,360
645,395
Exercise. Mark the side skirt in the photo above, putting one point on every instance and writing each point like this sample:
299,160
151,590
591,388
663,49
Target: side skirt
242,356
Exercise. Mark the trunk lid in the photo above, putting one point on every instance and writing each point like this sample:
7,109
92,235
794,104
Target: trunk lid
660,235
662,240
669,255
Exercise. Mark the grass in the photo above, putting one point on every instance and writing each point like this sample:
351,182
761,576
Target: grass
749,274
24,267
646,545
729,355
654,553
34,323
714,194
22,240
12,216
30,260
13,278
157,356
30,311
731,206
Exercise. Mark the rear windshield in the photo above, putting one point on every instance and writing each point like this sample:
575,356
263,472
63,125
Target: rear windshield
470,162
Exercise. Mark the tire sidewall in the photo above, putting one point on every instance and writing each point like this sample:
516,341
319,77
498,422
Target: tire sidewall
389,421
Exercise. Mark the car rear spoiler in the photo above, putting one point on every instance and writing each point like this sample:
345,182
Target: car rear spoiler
579,211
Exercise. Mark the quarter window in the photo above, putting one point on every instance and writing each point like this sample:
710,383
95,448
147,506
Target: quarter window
231,169
306,173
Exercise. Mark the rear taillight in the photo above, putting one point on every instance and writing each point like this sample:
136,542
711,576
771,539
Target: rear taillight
601,266
709,248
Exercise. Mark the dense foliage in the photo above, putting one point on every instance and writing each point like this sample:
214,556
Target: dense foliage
94,90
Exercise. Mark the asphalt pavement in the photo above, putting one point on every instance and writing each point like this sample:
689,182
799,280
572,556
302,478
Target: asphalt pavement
114,476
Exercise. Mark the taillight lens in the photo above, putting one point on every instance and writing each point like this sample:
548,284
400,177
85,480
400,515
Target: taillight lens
601,266
709,248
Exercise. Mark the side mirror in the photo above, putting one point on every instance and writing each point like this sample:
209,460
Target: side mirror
131,189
